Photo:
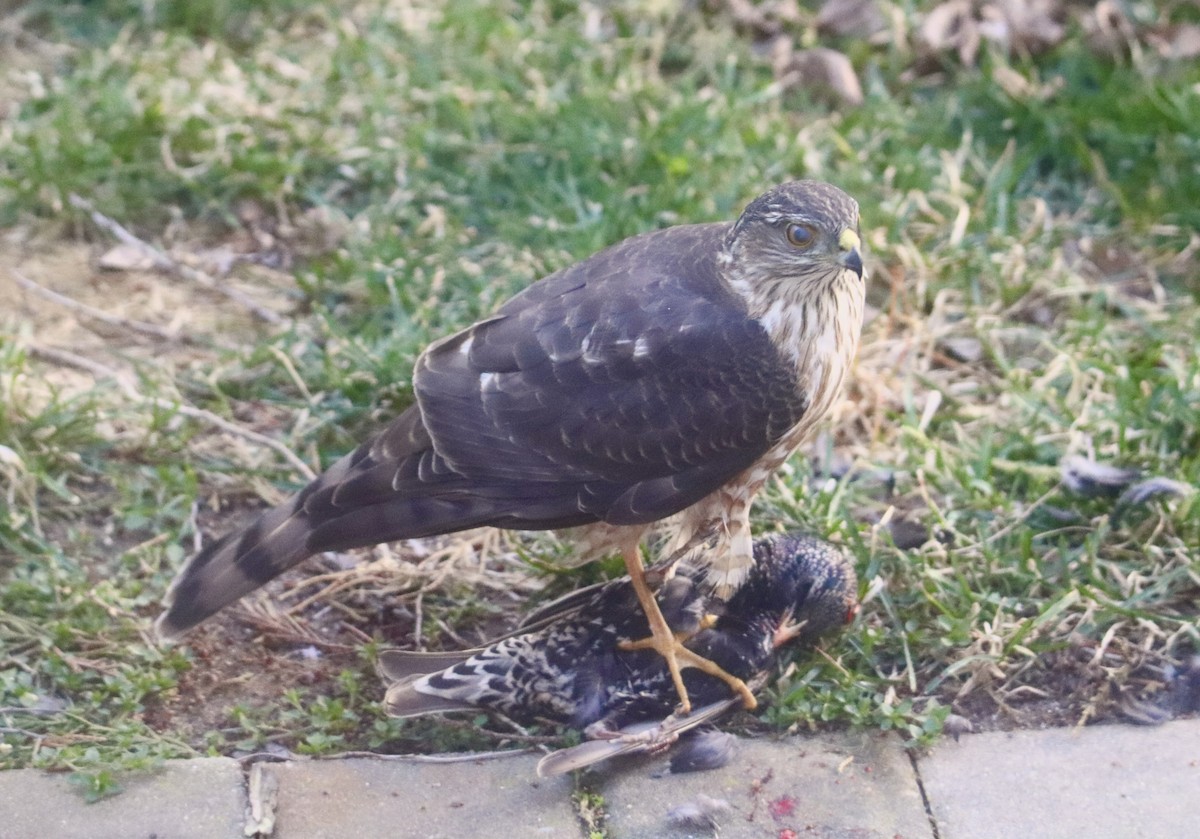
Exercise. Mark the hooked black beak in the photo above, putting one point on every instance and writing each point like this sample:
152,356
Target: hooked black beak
850,256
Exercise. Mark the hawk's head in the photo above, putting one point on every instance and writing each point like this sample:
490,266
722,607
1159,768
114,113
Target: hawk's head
794,241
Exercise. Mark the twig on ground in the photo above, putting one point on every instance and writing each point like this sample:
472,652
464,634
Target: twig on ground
454,636
821,652
165,263
323,594
149,329
351,629
21,731
264,618
70,359
464,757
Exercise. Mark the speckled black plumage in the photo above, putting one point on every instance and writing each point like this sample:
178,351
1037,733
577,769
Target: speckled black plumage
571,671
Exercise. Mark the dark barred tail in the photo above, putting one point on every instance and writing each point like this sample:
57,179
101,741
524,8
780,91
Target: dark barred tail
286,535
245,559
234,566
356,503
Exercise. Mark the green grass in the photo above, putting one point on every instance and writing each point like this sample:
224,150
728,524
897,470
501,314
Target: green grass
409,167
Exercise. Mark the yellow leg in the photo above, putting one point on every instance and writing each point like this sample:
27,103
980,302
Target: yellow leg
661,639
691,659
670,645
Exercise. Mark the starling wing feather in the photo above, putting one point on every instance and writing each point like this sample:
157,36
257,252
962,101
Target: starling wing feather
636,737
486,677
560,672
572,670
622,389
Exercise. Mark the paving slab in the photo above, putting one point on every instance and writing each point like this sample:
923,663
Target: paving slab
186,799
1107,781
832,786
500,798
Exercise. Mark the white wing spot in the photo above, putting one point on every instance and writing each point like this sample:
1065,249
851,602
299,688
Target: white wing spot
465,348
588,356
487,381
641,348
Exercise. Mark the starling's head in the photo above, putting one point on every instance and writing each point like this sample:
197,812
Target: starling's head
802,231
803,585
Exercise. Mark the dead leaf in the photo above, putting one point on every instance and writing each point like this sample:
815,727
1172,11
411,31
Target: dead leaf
966,349
1120,267
1021,88
263,801
950,27
860,18
766,18
125,258
1177,43
1108,31
823,73
1023,27
216,262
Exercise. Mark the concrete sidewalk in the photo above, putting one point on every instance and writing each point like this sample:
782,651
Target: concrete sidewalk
1102,781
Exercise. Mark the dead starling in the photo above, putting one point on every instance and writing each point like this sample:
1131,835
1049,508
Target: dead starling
574,669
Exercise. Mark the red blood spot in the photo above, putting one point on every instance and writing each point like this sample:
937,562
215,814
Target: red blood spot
782,807
787,833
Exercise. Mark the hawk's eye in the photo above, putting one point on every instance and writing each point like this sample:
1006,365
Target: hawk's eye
801,235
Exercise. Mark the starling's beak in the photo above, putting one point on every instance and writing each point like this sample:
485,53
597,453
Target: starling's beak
849,257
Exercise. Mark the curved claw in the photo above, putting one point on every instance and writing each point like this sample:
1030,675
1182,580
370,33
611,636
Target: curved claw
687,658
739,687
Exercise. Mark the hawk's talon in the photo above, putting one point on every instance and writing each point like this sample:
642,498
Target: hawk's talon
739,687
651,643
678,656
662,639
